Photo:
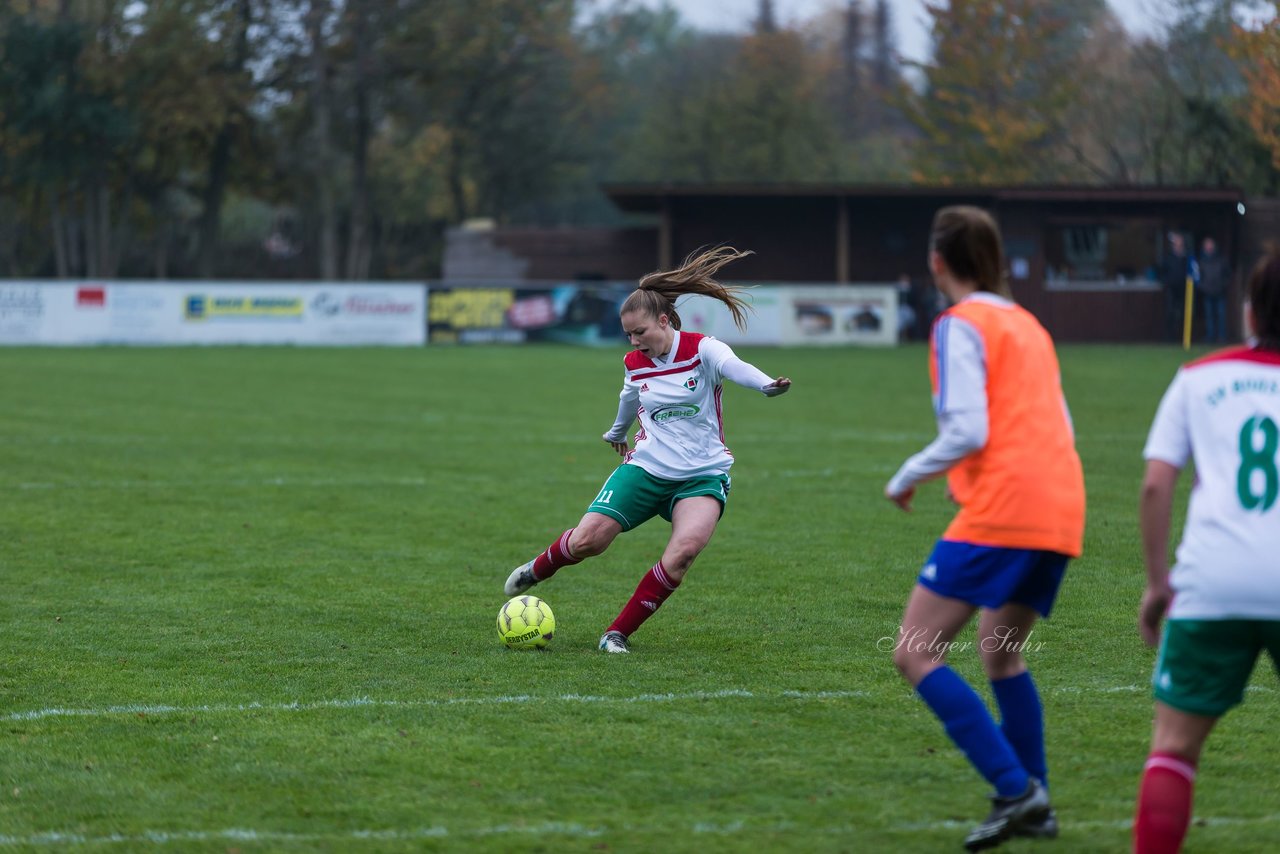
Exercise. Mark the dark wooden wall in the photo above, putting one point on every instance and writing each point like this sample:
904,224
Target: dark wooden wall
796,238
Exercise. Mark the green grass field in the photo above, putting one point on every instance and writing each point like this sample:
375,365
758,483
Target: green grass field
248,602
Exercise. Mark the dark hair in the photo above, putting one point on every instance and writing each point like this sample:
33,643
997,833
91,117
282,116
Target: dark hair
658,291
1264,299
968,240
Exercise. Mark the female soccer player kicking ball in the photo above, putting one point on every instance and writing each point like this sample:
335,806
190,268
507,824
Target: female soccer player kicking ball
1006,444
679,467
1223,412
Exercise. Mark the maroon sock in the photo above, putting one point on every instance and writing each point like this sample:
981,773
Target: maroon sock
556,556
652,591
1164,804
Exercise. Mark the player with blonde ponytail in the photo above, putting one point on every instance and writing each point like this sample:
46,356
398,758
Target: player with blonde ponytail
678,466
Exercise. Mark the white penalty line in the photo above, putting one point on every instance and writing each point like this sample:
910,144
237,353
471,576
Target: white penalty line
369,702
241,483
550,829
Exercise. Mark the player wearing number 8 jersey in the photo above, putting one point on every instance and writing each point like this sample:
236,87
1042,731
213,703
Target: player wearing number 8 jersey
679,467
1222,599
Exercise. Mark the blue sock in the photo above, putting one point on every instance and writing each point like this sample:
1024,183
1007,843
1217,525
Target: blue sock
1022,722
969,724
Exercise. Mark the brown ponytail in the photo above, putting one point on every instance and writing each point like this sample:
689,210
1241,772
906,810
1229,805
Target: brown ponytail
968,240
657,292
1264,298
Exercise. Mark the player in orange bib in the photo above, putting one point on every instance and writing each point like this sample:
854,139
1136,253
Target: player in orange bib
1006,446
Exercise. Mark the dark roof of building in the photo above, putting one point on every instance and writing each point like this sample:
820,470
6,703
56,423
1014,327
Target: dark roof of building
647,197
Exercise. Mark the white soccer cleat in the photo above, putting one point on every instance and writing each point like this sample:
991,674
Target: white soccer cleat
614,642
520,580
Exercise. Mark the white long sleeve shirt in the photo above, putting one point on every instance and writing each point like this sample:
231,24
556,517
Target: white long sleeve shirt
960,406
677,401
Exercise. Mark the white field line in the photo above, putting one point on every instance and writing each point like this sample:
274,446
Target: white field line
827,472
304,482
368,702
362,702
279,481
564,829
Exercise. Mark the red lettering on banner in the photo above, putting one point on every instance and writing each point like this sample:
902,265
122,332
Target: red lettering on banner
91,297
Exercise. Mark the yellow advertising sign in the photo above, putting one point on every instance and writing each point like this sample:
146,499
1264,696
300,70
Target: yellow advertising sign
471,308
199,307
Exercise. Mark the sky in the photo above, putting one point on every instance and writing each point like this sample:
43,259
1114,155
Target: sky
1138,16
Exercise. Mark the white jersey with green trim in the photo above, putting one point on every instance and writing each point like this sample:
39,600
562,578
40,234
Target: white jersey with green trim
677,401
1223,413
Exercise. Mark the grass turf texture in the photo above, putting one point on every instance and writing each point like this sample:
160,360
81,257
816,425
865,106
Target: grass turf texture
269,577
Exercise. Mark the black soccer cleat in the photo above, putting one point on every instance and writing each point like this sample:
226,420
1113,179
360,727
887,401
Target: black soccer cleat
1047,829
1013,817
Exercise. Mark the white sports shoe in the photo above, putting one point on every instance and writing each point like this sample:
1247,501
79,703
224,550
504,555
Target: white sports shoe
614,642
520,580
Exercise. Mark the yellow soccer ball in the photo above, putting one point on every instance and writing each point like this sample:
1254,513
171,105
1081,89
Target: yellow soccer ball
526,622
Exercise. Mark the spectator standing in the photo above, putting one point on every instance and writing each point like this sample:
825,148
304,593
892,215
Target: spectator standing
1215,279
1176,265
907,318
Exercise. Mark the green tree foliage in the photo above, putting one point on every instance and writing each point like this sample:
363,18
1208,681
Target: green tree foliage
277,138
1216,145
855,53
997,89
112,111
730,109
426,114
1167,109
624,50
496,78
167,66
254,48
63,134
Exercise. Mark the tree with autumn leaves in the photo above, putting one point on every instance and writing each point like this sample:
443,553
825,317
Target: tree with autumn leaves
1038,91
1258,50
995,94
340,138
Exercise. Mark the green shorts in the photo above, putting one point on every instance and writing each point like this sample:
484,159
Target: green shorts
633,496
1204,665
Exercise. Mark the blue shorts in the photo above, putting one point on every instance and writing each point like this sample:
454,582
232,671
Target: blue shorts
989,577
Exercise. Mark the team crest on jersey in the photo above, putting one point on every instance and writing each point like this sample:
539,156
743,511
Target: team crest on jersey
691,383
